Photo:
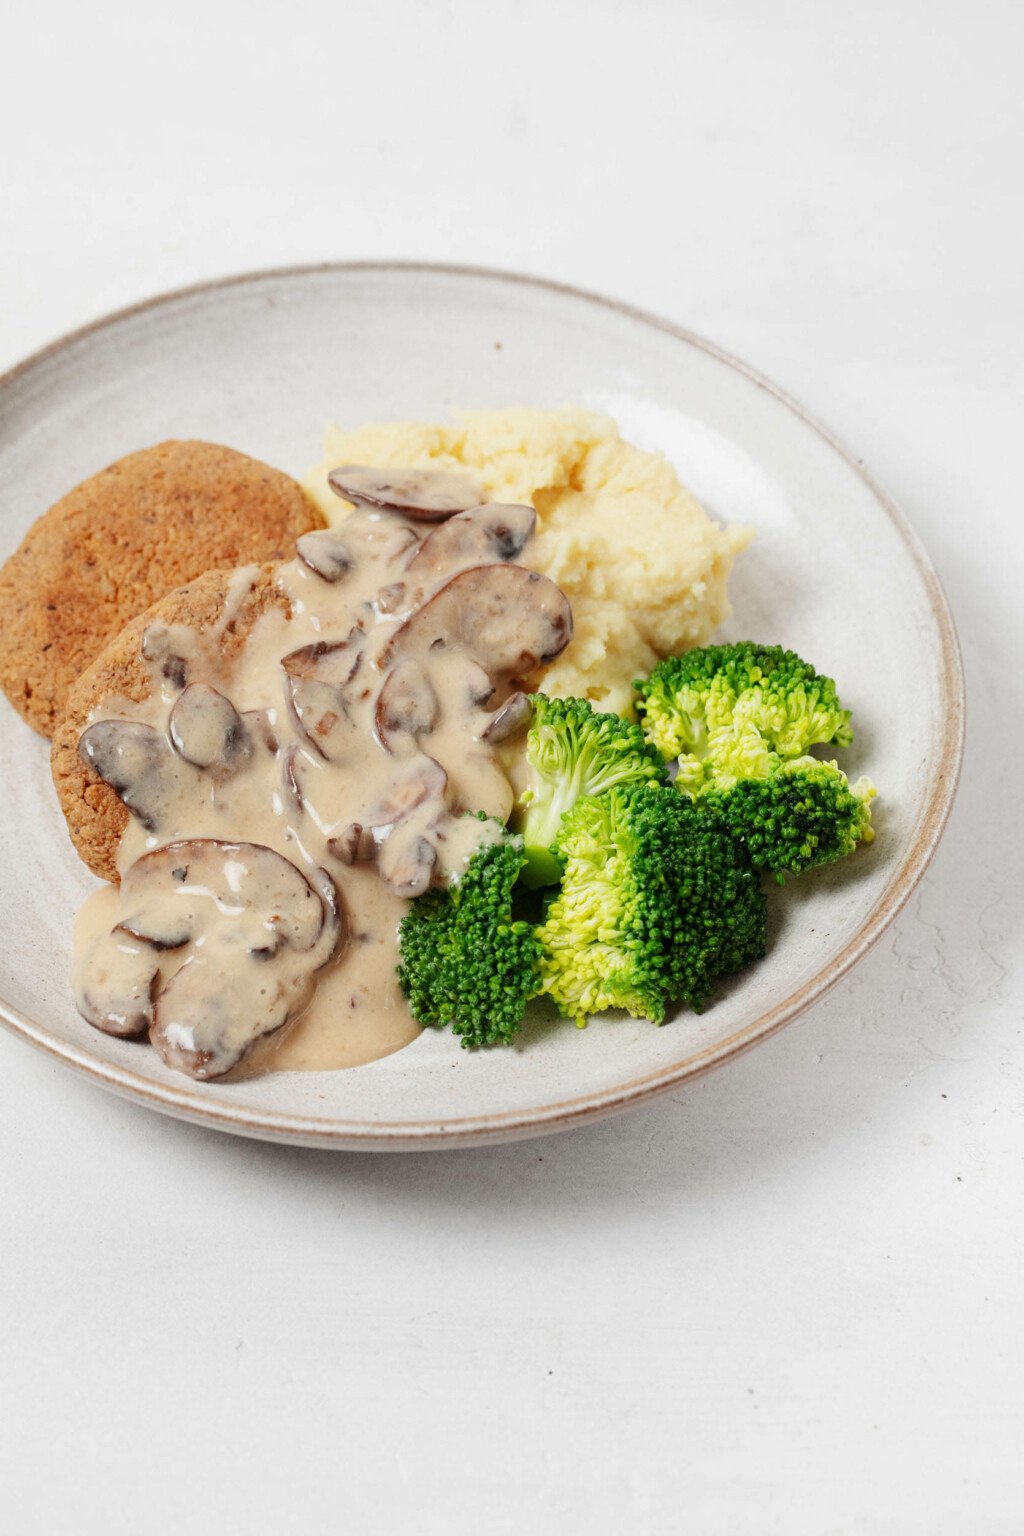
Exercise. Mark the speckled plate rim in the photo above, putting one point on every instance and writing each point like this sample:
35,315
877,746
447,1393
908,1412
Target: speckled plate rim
367,1135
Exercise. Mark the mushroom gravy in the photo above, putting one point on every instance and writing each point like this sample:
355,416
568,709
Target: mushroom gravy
286,805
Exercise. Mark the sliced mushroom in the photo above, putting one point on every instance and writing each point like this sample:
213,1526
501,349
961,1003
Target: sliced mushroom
424,780
424,495
261,728
317,677
202,1027
328,661
335,925
116,984
507,618
479,537
387,540
171,935
213,1009
135,761
326,553
390,598
359,842
511,717
206,729
292,787
407,864
253,931
323,715
354,844
407,706
479,688
401,539
173,893
162,648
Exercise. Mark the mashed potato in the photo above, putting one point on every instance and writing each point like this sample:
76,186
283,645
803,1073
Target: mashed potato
642,564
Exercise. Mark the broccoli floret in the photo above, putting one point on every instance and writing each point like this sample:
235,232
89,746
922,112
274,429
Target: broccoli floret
731,712
806,813
572,750
657,900
463,960
742,717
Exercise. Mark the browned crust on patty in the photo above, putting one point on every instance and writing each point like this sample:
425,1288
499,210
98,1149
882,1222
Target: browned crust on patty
121,540
95,816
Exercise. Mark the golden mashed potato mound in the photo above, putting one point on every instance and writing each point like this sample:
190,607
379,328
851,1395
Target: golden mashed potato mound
642,564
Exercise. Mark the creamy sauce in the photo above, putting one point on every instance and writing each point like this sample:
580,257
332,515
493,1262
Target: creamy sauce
289,803
358,1012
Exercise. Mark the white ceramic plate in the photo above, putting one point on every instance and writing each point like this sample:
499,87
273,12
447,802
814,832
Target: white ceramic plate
262,363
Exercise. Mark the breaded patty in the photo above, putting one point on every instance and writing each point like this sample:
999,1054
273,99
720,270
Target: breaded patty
95,816
121,540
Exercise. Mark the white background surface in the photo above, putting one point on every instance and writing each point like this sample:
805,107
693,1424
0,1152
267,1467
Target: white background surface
787,1298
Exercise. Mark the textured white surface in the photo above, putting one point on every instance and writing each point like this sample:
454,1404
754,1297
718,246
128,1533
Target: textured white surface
787,1299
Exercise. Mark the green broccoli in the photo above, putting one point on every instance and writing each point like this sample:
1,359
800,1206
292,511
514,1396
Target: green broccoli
731,712
806,813
572,750
463,960
657,900
741,718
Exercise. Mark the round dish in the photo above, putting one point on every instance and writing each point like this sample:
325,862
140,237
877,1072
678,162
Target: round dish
261,363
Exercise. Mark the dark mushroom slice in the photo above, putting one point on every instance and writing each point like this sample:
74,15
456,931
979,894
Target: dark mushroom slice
202,1027
389,540
265,930
213,1011
425,779
424,495
401,540
359,842
479,688
173,894
354,844
116,983
162,646
260,726
510,718
336,925
326,553
135,761
317,676
169,935
407,864
327,661
290,777
509,619
479,537
407,706
322,714
206,729
391,597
